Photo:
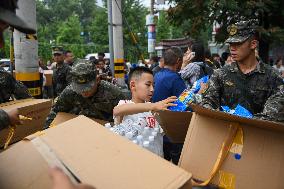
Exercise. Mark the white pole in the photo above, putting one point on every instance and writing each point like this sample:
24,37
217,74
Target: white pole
118,42
26,49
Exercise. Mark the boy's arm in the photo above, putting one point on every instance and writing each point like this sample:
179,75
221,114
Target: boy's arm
131,108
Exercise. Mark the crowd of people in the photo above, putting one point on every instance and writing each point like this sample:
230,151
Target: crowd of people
89,88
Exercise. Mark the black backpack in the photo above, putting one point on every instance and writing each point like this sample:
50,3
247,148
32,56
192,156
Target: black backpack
204,69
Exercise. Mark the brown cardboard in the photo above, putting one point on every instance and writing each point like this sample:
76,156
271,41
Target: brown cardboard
48,75
94,154
261,164
63,116
174,124
37,109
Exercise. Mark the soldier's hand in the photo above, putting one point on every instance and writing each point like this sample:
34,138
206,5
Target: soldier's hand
203,88
61,181
164,104
14,117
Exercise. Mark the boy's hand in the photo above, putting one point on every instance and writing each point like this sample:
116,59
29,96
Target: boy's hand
164,104
61,181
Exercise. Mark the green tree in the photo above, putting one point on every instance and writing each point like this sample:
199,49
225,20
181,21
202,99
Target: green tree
135,14
163,29
199,15
99,31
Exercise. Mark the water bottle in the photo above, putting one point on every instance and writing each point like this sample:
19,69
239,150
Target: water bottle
129,135
146,144
146,132
108,125
157,129
142,122
119,130
140,140
152,144
138,128
154,133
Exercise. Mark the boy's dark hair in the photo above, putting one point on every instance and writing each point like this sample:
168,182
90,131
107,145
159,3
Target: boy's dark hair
172,55
137,72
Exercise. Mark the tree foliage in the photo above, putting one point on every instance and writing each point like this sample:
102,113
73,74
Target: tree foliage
201,14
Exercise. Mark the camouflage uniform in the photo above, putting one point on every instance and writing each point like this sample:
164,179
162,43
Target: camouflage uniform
274,107
229,86
61,78
4,119
10,87
99,106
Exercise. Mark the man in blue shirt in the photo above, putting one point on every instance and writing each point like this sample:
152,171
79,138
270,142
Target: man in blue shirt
169,83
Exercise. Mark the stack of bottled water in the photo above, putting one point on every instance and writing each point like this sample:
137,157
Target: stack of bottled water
140,134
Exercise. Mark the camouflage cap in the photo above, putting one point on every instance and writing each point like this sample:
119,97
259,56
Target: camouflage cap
8,16
241,31
57,50
83,77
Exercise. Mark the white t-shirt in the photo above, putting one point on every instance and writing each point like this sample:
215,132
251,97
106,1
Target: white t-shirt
149,118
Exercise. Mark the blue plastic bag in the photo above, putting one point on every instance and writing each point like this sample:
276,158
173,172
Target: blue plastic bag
239,111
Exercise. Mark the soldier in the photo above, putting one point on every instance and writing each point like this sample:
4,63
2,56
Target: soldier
87,96
61,74
8,85
246,81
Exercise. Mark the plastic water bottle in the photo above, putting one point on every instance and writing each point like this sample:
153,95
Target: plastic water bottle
142,122
137,127
154,133
108,125
146,132
119,130
157,129
140,140
128,122
131,134
152,143
146,144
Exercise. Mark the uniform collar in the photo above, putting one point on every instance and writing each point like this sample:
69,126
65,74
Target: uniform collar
259,67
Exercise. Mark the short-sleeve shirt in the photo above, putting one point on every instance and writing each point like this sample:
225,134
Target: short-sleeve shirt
167,83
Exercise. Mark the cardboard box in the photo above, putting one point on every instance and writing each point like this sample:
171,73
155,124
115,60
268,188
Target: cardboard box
254,160
94,154
61,117
37,109
174,124
48,75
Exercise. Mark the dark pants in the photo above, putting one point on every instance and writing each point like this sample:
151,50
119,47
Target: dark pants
172,151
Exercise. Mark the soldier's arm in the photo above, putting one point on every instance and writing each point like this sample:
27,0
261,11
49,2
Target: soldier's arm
4,119
63,104
211,97
21,91
68,75
274,107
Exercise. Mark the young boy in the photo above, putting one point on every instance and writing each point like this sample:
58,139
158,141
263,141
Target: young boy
142,89
169,83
